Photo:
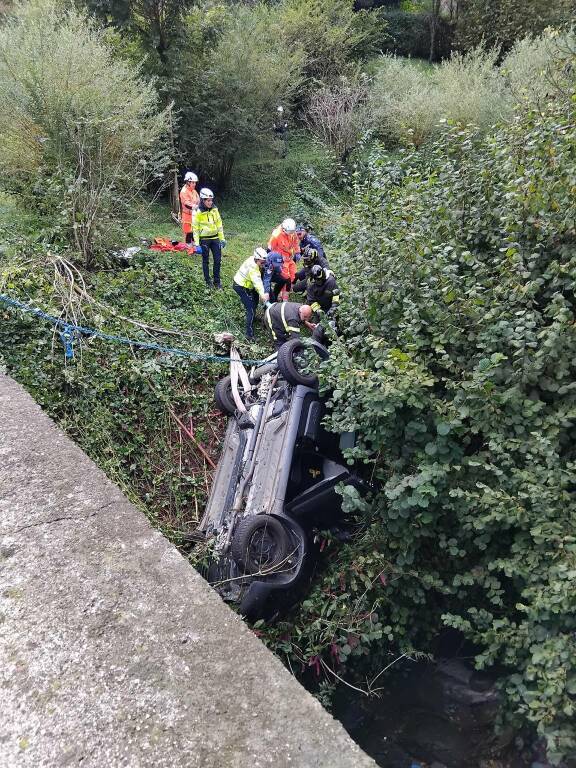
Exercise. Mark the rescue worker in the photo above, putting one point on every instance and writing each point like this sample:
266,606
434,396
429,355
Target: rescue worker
281,130
209,235
309,240
189,201
321,289
249,286
284,241
310,257
284,319
273,279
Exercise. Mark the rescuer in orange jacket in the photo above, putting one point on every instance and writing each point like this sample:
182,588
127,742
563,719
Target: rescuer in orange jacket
284,241
189,201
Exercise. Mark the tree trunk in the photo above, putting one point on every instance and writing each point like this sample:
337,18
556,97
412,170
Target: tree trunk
225,172
433,27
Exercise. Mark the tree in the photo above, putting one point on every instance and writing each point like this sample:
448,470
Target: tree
330,33
155,23
434,19
229,92
501,23
80,133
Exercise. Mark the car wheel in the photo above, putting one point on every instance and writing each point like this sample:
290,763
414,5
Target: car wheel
223,396
290,357
260,544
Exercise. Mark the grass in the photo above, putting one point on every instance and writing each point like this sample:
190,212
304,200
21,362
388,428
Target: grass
116,401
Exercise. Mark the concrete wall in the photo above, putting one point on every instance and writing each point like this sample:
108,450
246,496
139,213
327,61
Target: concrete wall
113,650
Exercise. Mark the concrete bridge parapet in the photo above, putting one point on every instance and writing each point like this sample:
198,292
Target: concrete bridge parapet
113,650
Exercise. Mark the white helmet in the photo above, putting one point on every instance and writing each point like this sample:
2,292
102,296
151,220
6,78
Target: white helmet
280,109
190,176
206,193
288,225
260,254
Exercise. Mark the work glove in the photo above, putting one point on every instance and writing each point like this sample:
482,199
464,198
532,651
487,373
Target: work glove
296,257
222,243
197,249
268,304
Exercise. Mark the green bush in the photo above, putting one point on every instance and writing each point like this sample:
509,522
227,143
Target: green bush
228,91
456,368
330,33
80,133
408,104
505,22
403,103
471,90
530,66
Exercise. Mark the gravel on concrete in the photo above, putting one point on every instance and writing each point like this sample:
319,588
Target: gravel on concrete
113,650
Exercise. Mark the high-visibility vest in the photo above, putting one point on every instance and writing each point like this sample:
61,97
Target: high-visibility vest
249,277
207,223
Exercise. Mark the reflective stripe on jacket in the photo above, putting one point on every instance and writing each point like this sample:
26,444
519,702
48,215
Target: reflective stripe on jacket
206,222
249,277
283,319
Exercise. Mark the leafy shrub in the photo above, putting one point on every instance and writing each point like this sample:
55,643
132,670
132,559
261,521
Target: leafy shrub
228,92
456,368
80,133
330,33
408,103
503,23
404,104
530,67
471,90
336,114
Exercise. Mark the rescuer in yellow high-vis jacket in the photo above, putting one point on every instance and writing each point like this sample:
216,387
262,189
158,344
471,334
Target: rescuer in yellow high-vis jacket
209,234
249,286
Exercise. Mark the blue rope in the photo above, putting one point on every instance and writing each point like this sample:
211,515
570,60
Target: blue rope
69,333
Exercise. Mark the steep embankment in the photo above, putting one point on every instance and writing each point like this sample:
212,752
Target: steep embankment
123,406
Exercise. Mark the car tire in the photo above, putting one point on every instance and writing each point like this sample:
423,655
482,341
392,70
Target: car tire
260,544
287,364
223,396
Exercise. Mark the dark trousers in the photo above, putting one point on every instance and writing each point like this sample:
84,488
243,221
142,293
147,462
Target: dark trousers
277,283
248,297
211,244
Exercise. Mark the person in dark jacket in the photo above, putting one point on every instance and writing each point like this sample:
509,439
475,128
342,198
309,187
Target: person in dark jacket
272,275
321,289
307,239
310,257
285,318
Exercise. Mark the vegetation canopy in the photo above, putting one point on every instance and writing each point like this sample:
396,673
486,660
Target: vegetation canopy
455,367
80,132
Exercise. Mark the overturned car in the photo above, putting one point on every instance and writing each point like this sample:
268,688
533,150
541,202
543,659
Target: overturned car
275,483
